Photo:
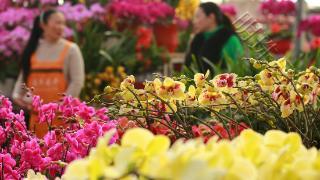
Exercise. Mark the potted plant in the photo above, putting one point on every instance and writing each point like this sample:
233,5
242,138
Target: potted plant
277,16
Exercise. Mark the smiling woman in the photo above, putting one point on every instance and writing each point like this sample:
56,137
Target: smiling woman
51,65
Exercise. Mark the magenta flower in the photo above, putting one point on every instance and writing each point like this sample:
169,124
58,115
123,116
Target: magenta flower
50,138
31,157
56,152
8,163
6,108
69,106
2,136
43,2
140,11
102,114
4,4
86,112
66,145
277,7
47,112
228,9
310,24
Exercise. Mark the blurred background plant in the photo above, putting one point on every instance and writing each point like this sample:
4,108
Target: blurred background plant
85,24
138,12
278,19
136,51
96,82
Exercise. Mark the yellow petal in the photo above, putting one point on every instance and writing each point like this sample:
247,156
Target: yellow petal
282,63
191,91
168,82
77,169
157,83
137,137
159,144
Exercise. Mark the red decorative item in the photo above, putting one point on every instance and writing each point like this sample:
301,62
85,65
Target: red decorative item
166,36
280,46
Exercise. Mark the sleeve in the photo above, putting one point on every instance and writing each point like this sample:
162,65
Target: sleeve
17,90
233,48
76,72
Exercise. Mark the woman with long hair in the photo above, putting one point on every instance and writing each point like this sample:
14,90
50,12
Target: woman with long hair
50,65
215,39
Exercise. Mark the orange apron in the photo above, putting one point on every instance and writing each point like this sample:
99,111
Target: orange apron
48,80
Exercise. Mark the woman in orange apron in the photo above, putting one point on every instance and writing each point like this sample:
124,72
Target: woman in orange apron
51,65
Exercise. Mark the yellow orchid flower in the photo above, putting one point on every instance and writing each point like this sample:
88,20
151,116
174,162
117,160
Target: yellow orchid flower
225,82
170,89
149,86
131,137
31,175
275,155
287,108
281,63
266,80
171,107
128,83
191,96
216,99
78,169
309,78
199,79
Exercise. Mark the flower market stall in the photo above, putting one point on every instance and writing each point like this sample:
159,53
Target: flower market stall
144,113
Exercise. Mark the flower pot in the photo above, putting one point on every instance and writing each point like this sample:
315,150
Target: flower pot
166,36
280,46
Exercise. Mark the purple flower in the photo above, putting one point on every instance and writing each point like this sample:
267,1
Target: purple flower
68,32
76,13
17,16
13,42
97,9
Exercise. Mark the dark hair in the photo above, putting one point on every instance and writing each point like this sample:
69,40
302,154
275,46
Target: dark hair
33,41
212,8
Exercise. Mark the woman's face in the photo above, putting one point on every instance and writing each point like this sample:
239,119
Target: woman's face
202,22
55,26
